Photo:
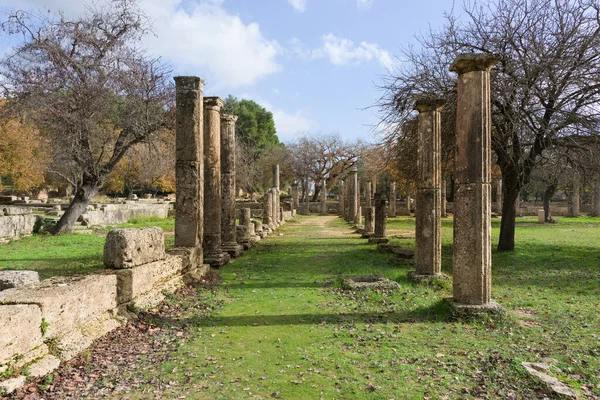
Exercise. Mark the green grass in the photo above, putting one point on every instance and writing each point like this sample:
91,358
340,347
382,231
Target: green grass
68,254
285,329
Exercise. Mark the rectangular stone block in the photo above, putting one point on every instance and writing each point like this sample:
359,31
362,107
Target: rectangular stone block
15,210
136,282
67,302
20,330
15,226
127,248
472,265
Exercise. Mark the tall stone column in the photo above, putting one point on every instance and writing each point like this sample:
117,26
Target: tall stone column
275,169
295,200
324,197
189,165
368,195
428,240
341,197
392,211
228,236
213,253
380,220
369,228
499,196
444,200
574,200
354,204
472,260
268,211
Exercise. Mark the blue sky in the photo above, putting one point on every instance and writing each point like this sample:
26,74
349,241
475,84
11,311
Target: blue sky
314,63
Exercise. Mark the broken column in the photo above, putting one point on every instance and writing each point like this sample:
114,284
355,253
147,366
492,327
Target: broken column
369,228
275,169
245,228
268,212
213,253
392,211
189,171
428,240
323,197
229,242
295,199
380,220
472,260
354,197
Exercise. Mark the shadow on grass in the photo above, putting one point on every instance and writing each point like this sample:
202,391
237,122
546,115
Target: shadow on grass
438,312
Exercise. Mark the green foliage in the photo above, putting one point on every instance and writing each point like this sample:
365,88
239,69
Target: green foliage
255,125
44,326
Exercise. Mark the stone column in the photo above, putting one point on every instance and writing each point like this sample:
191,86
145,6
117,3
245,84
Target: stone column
444,200
574,200
368,196
392,211
229,242
347,199
295,200
189,167
354,196
428,239
408,197
472,260
369,222
499,196
324,197
380,220
213,253
275,169
374,185
244,232
268,212
341,198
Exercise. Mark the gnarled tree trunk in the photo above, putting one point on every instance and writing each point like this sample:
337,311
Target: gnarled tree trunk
548,194
86,191
511,189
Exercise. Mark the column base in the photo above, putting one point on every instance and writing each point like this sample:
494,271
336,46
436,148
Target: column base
255,238
217,259
378,240
426,279
359,229
490,310
246,244
233,249
367,235
196,274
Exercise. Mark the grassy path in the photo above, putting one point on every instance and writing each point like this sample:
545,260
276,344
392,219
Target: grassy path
284,330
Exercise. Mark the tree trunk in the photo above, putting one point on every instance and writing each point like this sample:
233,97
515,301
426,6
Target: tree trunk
548,193
316,194
83,197
510,188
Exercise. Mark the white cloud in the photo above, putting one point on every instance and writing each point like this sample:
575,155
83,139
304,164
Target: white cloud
206,36
299,5
342,51
364,4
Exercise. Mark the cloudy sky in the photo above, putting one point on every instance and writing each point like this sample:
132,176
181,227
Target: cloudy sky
315,64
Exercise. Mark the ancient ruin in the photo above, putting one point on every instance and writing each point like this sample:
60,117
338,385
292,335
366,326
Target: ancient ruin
229,242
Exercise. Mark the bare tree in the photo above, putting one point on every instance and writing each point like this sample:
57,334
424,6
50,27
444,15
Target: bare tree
545,88
91,90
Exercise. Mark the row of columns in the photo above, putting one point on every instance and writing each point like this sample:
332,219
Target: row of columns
205,208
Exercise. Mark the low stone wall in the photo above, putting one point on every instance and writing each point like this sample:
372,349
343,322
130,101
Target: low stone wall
111,214
46,323
16,226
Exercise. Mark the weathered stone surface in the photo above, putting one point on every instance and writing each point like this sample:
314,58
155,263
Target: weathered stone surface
143,285
18,279
295,198
428,243
20,329
67,302
10,385
228,170
392,200
189,117
467,312
189,206
16,226
541,216
15,210
43,366
379,236
369,282
127,248
541,371
369,221
121,213
354,198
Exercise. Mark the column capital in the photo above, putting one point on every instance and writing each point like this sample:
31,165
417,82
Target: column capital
229,118
189,82
469,62
213,102
424,104
354,170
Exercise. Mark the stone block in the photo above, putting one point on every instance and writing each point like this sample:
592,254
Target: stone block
67,302
18,279
143,285
541,216
15,226
12,384
15,210
20,330
43,366
127,248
